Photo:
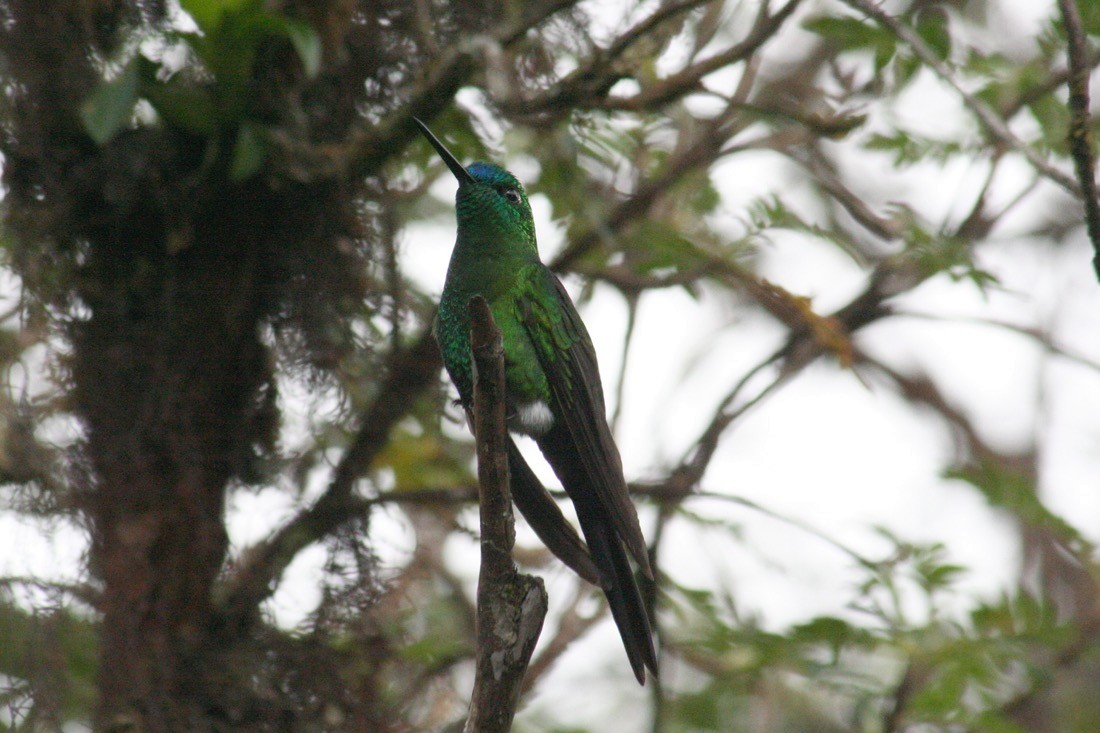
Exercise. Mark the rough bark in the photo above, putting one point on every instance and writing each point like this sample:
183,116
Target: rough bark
510,606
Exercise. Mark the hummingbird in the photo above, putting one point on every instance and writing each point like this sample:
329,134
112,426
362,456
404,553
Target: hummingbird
553,392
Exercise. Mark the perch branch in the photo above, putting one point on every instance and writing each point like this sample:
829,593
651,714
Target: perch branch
510,606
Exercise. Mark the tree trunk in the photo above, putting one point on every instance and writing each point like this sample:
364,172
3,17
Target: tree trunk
169,374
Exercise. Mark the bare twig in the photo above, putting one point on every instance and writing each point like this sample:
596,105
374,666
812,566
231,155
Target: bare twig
84,592
661,491
688,79
510,606
825,174
1080,139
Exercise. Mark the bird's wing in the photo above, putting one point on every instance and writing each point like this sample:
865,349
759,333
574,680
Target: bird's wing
565,353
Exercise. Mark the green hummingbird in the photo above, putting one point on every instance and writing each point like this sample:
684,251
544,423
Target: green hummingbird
553,391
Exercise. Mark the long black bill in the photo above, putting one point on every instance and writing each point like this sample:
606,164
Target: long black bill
461,173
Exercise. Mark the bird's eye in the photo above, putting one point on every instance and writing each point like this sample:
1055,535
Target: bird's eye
512,195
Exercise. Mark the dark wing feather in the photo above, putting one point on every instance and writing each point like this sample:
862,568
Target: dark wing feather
565,353
545,517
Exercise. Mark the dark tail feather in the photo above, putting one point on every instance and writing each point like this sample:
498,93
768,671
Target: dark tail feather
620,586
607,550
545,517
604,563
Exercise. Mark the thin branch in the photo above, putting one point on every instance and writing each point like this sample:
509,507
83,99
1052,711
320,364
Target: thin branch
1080,138
688,79
632,283
695,464
658,697
1057,79
597,74
803,346
510,607
699,153
989,118
1044,340
824,172
670,492
921,390
372,144
662,491
628,338
979,222
911,682
83,592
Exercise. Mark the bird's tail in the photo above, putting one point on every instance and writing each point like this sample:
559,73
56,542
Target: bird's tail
606,548
619,585
545,517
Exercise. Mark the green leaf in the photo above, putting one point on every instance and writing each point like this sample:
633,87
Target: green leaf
656,245
935,576
1015,490
421,460
831,632
846,31
208,14
184,107
108,109
249,153
1090,16
307,43
769,212
852,34
906,68
1054,120
1023,616
932,27
909,148
253,26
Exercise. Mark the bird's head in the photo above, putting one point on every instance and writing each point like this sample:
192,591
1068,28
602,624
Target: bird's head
490,199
